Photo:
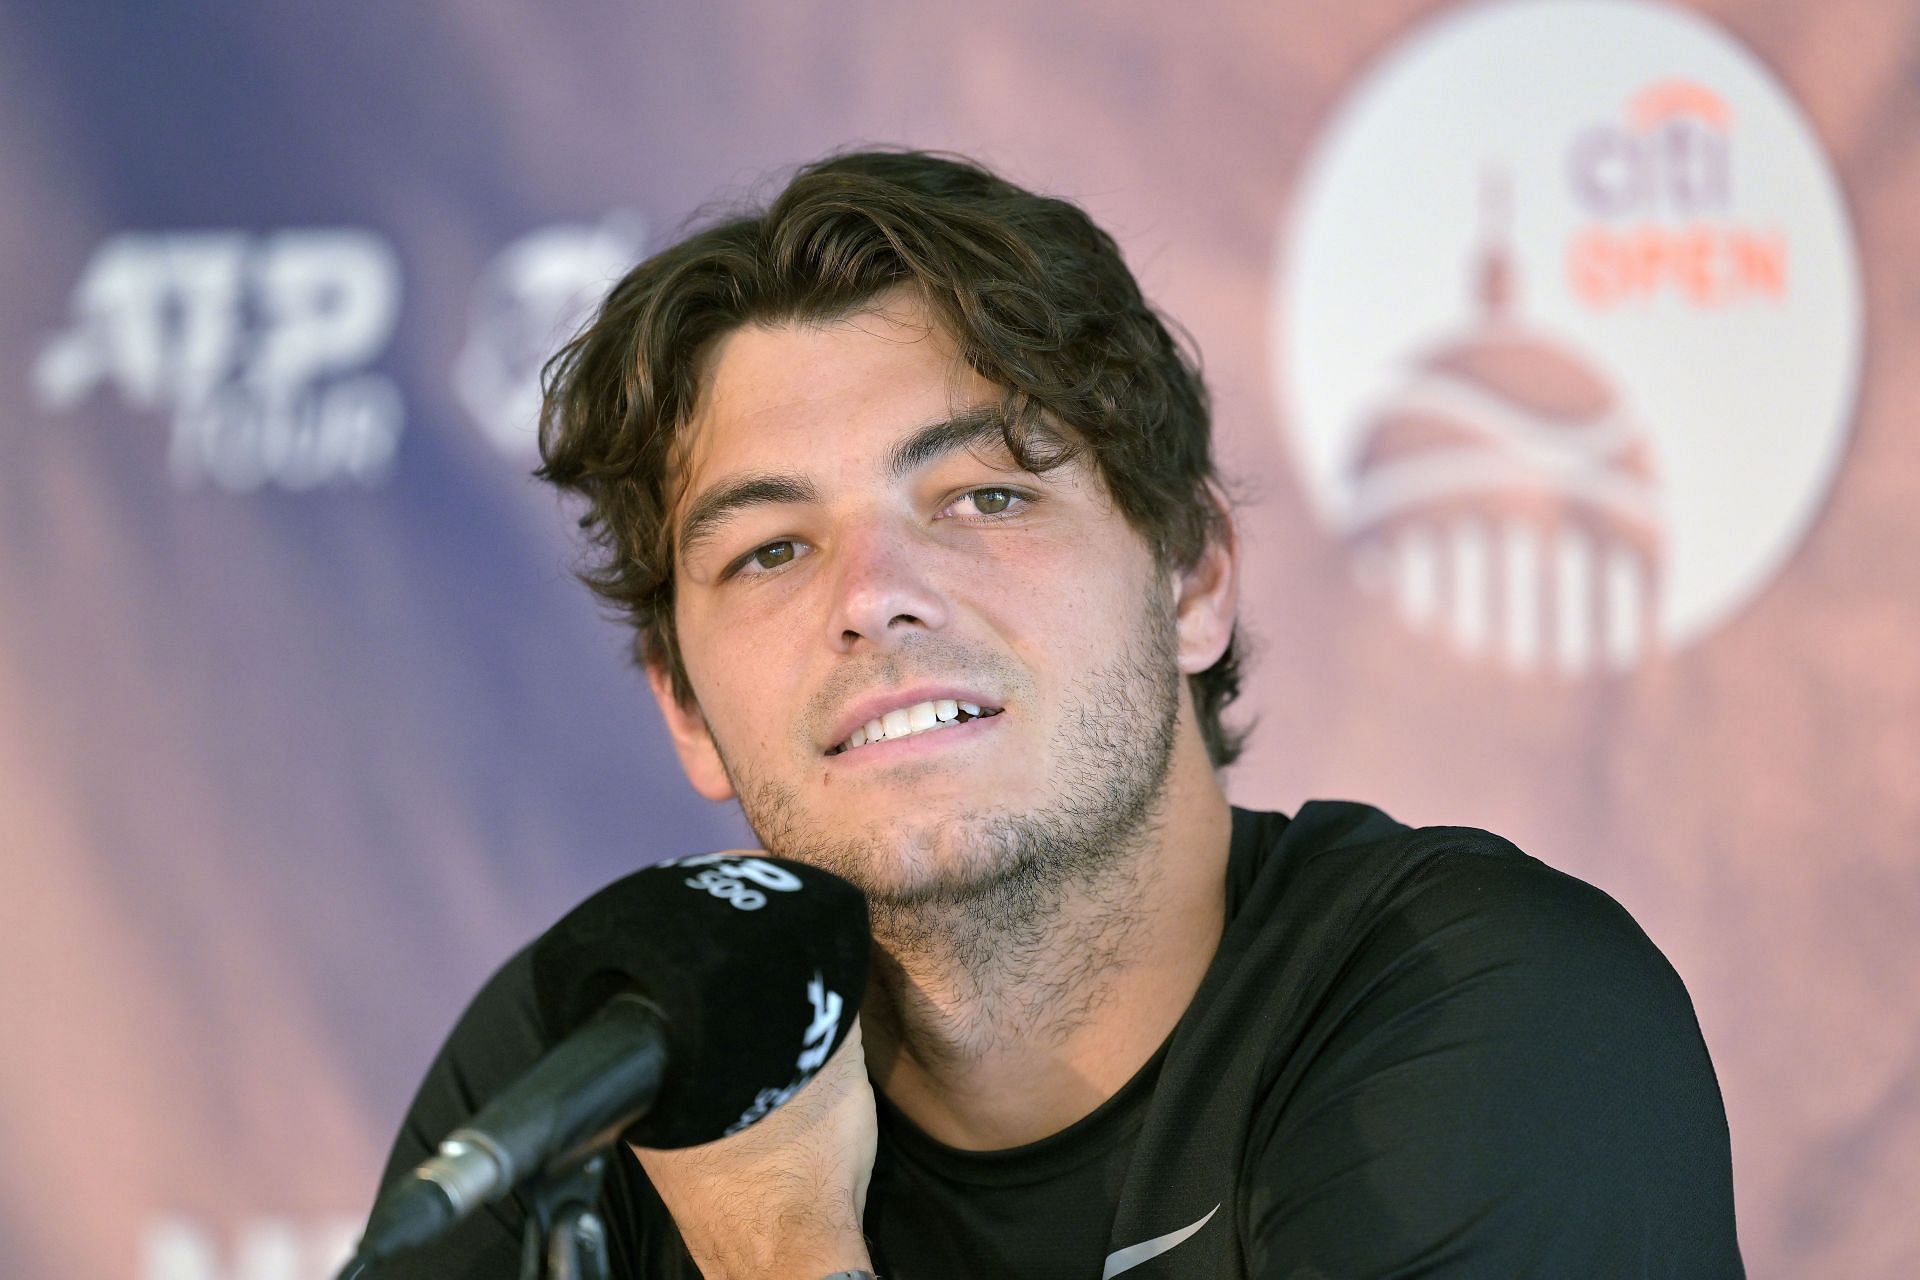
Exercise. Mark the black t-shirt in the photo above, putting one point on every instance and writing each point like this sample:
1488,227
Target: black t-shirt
1417,1052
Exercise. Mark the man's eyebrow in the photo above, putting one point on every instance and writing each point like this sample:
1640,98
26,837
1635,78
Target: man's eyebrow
719,504
967,430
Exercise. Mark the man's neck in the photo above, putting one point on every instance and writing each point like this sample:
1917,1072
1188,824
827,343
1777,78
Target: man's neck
990,1029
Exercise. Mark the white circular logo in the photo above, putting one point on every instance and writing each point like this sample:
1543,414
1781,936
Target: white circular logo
1568,329
532,298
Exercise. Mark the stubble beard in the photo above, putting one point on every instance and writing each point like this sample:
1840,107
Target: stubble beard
1015,915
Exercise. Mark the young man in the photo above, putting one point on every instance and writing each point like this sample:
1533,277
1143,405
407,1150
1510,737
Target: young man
909,496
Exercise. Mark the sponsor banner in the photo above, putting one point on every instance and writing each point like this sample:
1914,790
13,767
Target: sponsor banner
268,1248
1568,343
254,350
532,297
1564,346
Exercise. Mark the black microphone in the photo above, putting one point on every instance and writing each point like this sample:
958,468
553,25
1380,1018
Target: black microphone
685,1002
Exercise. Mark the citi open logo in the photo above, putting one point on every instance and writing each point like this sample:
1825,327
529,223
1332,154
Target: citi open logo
1568,330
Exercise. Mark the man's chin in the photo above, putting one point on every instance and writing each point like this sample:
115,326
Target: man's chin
912,863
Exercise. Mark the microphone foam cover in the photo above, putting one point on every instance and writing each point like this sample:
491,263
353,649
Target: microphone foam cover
756,963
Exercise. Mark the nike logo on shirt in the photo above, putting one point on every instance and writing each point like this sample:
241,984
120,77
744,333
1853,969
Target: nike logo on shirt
1134,1254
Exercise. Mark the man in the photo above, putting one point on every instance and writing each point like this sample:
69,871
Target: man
909,496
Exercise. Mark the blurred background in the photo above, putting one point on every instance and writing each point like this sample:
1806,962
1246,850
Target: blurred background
1565,355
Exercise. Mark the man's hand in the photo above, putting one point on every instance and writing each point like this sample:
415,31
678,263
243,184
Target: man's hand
782,1199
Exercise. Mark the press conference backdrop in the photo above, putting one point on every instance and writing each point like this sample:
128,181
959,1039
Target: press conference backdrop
1566,356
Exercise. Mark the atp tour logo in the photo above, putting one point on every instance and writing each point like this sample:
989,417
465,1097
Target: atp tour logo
533,296
1568,330
255,347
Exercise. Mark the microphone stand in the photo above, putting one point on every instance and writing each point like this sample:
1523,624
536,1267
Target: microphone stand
565,1238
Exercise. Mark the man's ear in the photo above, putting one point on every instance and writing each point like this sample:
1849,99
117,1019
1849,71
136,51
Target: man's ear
1207,594
698,756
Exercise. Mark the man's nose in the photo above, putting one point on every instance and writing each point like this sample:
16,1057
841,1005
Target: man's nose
883,587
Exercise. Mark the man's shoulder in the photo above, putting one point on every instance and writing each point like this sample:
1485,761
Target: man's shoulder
1338,850
1490,1039
1371,892
1354,834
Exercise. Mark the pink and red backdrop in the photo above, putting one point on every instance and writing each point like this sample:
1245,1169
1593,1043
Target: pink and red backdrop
1564,355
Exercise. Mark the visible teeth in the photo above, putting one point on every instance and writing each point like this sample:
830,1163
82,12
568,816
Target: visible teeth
918,718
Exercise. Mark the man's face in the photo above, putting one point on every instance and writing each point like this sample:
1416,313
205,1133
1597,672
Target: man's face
856,551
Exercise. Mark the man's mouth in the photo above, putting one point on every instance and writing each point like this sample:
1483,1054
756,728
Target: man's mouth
921,717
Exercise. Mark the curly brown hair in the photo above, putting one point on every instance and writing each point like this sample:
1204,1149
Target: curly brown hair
1036,296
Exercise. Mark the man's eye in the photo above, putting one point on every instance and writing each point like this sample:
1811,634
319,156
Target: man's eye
765,559
990,501
773,555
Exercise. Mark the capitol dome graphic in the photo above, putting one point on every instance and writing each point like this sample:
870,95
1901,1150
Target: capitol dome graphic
1504,496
